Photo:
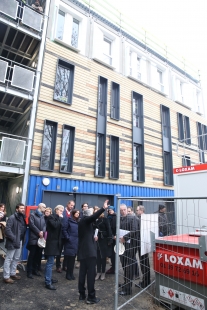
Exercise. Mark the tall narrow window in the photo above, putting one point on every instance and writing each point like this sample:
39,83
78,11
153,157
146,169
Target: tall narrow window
64,82
160,80
167,168
102,96
201,142
187,130
107,51
114,157
205,137
48,146
138,69
136,112
138,165
100,156
137,162
60,25
184,129
181,90
167,146
75,30
115,100
180,128
67,150
165,123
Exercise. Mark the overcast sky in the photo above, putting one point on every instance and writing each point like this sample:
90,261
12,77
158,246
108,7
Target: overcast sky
181,24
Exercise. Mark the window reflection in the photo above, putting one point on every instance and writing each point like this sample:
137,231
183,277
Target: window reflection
75,29
62,84
137,159
136,113
65,150
47,146
60,25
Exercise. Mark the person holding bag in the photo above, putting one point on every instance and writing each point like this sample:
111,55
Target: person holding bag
37,228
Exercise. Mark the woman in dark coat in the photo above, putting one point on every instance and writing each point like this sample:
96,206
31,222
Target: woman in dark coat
70,233
53,243
37,228
103,245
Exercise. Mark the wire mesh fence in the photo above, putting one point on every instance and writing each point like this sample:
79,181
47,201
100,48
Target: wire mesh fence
161,252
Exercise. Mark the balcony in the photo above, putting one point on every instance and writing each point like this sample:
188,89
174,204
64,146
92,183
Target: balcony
28,18
17,79
12,154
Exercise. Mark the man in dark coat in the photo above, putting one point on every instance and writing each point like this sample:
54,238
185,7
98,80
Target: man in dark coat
144,259
127,259
15,232
87,253
66,214
37,228
53,243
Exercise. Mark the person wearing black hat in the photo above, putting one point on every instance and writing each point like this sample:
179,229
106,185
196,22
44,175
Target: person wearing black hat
163,221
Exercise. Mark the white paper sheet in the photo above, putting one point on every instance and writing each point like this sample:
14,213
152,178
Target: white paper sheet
149,222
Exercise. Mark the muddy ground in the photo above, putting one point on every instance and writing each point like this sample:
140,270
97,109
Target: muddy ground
27,294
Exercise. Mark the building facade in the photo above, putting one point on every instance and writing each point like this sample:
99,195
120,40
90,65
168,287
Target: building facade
112,114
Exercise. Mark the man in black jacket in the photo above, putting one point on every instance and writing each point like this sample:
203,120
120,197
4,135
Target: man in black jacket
15,232
87,253
127,259
37,228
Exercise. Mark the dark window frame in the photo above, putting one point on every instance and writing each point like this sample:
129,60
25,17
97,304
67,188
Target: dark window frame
186,161
184,135
53,146
115,101
114,157
139,146
100,153
138,133
70,148
202,140
167,145
69,66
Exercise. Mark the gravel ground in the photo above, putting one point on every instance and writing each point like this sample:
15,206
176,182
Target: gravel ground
27,294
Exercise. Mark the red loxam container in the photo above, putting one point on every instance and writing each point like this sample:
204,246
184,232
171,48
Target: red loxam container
180,265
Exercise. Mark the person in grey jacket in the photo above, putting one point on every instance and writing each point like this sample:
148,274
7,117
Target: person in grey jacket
163,221
15,232
37,228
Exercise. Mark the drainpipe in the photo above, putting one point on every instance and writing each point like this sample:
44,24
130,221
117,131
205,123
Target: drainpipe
34,105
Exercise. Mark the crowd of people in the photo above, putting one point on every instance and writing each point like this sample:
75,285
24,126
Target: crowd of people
88,235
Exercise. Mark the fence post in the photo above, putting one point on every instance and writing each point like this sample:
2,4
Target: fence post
117,252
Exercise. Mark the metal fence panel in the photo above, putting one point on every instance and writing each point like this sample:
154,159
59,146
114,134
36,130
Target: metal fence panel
164,257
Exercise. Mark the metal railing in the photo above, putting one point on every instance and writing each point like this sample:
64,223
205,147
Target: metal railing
13,74
23,14
13,150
